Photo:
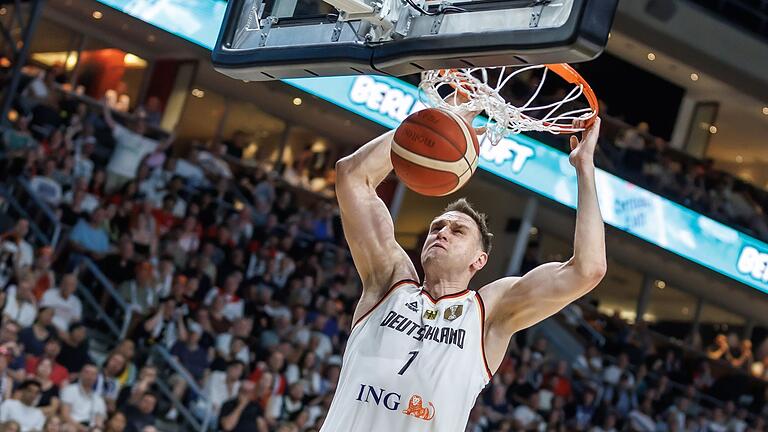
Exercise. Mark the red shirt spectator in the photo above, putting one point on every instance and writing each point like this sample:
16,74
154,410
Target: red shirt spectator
59,374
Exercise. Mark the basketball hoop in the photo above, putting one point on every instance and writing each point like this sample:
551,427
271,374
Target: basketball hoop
480,94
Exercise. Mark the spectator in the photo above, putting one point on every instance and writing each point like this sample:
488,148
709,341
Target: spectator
108,381
131,147
15,245
615,372
583,413
90,238
164,326
66,306
223,386
241,413
195,359
23,410
127,348
42,275
59,374
142,293
132,394
74,350
20,303
33,337
82,407
525,416
233,304
142,414
48,401
121,266
116,422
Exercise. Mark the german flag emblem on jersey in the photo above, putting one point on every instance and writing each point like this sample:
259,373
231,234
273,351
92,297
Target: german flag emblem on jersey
430,314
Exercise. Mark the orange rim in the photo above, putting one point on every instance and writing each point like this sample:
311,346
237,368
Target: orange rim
567,73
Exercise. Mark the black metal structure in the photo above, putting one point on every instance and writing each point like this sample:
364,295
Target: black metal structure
18,20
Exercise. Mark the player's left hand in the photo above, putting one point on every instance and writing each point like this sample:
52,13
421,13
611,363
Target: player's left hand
459,97
583,150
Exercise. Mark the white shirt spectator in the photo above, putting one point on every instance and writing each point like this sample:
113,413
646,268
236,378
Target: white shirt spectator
641,422
47,189
217,391
130,149
612,375
83,166
24,313
224,344
234,307
527,417
600,429
190,171
29,418
89,203
213,164
84,407
311,380
23,254
66,311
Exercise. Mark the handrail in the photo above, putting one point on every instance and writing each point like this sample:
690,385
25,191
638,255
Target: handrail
54,239
166,356
582,323
38,233
109,288
85,293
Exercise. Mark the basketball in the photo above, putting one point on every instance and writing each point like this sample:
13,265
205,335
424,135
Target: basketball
434,152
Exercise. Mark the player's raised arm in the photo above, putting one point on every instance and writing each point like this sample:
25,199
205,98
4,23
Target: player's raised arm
518,303
368,227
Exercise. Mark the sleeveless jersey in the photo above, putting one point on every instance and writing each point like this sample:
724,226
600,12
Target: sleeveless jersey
412,364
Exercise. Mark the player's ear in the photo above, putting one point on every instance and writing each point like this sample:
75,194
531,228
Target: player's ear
479,262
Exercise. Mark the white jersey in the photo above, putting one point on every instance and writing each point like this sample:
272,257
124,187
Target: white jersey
412,364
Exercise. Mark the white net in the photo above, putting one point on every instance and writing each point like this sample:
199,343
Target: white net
479,90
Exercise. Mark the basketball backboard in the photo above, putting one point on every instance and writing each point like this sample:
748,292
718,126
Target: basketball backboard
274,39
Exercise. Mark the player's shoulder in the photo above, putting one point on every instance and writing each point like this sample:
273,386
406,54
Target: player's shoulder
493,291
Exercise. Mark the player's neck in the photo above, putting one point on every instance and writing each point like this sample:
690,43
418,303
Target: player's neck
439,287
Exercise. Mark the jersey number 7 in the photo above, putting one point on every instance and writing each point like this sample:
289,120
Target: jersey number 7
412,356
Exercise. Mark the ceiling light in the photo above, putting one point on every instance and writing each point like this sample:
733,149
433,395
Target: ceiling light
134,61
739,159
651,56
151,38
297,101
198,93
3,11
765,110
660,284
694,77
97,15
713,129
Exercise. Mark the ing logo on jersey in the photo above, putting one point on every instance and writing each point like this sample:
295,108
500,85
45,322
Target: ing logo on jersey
412,306
417,409
390,400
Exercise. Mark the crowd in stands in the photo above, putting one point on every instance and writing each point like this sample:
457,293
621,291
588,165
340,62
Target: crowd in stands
251,290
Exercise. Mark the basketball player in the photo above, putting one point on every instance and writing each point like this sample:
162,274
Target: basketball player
419,353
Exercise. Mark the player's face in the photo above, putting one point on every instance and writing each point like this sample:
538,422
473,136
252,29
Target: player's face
454,240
